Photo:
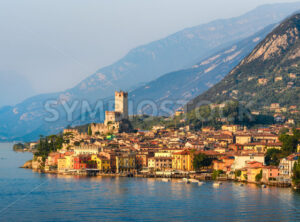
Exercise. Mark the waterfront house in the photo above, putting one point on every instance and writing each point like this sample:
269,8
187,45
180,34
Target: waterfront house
286,165
111,156
223,163
69,162
241,160
103,163
243,176
182,161
269,173
81,162
163,163
252,172
53,158
61,165
151,163
142,159
125,162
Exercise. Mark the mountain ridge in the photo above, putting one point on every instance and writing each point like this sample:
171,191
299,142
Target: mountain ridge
29,116
186,84
270,74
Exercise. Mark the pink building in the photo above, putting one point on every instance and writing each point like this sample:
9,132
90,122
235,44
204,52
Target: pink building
269,173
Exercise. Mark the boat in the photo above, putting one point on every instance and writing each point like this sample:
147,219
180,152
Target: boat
217,184
185,179
193,180
264,186
200,183
165,180
241,184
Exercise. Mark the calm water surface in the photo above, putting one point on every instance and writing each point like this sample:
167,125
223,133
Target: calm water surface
29,196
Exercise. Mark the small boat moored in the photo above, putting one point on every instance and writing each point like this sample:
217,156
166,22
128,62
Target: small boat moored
200,183
193,180
185,179
217,184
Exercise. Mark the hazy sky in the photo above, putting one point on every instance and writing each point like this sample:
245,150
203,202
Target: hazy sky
54,44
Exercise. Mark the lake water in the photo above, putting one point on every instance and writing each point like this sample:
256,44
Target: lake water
30,196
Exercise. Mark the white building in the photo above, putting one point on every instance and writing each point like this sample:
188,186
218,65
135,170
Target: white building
87,149
162,154
240,161
287,164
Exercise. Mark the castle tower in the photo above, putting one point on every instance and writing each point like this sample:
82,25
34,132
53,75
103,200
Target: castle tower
121,104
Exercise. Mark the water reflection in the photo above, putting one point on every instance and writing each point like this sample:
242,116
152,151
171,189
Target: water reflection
78,198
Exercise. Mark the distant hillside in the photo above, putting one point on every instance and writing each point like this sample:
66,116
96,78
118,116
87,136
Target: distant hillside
140,65
181,86
270,74
180,50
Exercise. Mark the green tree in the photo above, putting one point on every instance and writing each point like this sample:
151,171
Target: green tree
19,146
273,157
237,173
48,144
258,177
296,173
200,161
216,174
76,143
289,142
90,130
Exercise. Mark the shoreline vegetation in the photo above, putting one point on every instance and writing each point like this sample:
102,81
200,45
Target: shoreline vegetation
25,147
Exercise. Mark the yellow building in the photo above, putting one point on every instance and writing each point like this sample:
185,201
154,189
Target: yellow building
262,147
162,153
243,176
103,164
231,128
125,162
252,172
69,162
277,146
243,139
151,162
65,163
61,165
182,161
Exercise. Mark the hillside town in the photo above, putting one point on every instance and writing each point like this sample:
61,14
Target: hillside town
233,152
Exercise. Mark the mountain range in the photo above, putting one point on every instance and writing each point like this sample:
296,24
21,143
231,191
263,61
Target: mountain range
179,87
270,74
182,50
